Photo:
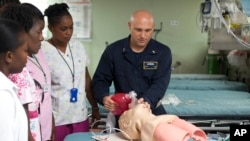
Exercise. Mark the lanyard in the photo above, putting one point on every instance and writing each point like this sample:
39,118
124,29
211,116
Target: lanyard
37,63
72,71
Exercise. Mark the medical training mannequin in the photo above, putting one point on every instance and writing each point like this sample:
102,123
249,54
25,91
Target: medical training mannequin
138,123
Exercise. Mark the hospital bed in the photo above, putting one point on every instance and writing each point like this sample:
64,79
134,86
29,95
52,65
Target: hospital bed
212,102
210,109
189,84
198,77
209,101
205,82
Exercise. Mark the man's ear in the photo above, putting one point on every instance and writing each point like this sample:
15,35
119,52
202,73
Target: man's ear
129,25
8,56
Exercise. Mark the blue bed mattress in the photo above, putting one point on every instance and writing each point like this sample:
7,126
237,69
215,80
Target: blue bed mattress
189,84
205,97
199,77
208,103
200,103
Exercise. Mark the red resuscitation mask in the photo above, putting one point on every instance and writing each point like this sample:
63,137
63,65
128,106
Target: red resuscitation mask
123,100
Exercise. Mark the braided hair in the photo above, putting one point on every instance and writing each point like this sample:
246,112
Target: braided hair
55,12
6,2
10,33
25,14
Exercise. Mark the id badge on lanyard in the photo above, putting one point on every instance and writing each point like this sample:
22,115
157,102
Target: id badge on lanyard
73,95
45,87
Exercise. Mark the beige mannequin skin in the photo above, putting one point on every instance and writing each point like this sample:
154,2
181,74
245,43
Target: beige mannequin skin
138,123
133,120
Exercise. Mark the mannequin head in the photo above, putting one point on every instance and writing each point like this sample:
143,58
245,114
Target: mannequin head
132,120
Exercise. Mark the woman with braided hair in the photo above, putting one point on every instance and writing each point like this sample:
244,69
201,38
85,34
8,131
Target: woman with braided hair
71,90
34,80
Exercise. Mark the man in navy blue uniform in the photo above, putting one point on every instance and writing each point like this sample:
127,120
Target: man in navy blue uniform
136,63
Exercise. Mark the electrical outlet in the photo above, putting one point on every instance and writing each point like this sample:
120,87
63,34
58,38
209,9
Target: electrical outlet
174,22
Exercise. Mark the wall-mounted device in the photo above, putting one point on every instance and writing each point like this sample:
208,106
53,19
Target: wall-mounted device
206,8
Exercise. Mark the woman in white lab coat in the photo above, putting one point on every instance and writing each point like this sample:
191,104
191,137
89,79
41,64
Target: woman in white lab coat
13,57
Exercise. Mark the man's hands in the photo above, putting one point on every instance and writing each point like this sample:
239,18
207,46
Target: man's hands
141,100
109,104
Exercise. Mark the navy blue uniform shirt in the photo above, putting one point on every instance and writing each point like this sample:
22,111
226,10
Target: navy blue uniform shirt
147,73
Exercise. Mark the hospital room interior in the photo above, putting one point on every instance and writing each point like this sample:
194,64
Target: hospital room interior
209,41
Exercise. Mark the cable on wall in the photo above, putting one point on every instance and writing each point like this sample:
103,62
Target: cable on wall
157,31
